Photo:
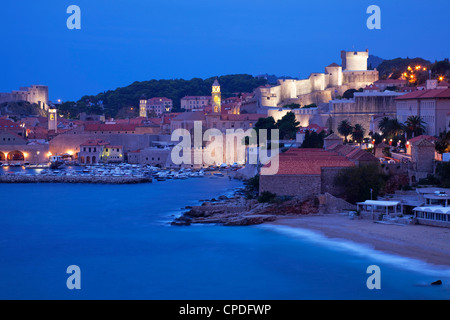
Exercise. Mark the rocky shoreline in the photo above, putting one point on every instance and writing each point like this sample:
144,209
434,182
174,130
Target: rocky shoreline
239,211
72,179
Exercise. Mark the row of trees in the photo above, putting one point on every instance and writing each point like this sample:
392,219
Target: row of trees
287,126
414,126
390,128
346,129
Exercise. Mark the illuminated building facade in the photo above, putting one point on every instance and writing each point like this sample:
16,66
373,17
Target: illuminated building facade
52,119
216,97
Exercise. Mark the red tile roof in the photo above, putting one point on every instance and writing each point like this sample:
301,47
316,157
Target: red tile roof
371,88
110,127
418,138
361,155
9,124
94,142
388,81
309,161
312,127
426,94
242,117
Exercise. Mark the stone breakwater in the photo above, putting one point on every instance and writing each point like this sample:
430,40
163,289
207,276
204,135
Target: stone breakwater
72,179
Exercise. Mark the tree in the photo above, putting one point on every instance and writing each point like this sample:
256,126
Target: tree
313,139
443,144
377,137
288,126
267,124
358,133
383,125
345,128
292,106
414,126
441,67
391,128
350,93
396,127
356,182
443,173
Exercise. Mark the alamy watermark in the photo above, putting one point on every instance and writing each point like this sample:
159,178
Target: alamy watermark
213,147
374,21
74,20
374,280
74,280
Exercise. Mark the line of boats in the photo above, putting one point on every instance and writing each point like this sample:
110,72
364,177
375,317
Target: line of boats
126,170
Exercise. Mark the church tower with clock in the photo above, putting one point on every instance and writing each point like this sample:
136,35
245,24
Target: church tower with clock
216,97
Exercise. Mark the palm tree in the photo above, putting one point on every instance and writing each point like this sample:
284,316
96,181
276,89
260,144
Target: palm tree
415,126
391,128
383,125
396,128
345,128
358,133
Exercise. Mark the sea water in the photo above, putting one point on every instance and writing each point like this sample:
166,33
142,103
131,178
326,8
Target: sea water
121,239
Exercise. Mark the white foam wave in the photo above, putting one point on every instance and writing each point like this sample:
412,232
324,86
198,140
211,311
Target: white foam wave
362,250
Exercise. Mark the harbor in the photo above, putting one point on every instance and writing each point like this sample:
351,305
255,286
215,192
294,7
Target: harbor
106,173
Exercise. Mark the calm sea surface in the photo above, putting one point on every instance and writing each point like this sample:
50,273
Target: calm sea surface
120,237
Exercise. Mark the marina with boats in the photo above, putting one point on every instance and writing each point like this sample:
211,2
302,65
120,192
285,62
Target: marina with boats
106,173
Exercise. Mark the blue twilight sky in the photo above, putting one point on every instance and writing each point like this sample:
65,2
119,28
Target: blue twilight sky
122,41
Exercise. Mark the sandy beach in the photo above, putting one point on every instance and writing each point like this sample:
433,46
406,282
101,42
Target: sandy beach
429,244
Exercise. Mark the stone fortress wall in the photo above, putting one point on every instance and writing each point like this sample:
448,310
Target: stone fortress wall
33,94
320,87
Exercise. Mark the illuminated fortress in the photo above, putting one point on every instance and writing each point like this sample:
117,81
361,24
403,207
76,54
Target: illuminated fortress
320,87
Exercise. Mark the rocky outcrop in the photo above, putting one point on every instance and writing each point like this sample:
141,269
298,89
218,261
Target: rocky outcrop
238,211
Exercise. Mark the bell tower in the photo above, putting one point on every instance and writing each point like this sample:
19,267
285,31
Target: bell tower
143,107
216,97
52,119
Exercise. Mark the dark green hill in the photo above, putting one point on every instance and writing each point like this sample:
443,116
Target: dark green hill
395,67
112,101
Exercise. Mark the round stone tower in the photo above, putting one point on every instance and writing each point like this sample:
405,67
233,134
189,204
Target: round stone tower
334,72
354,60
